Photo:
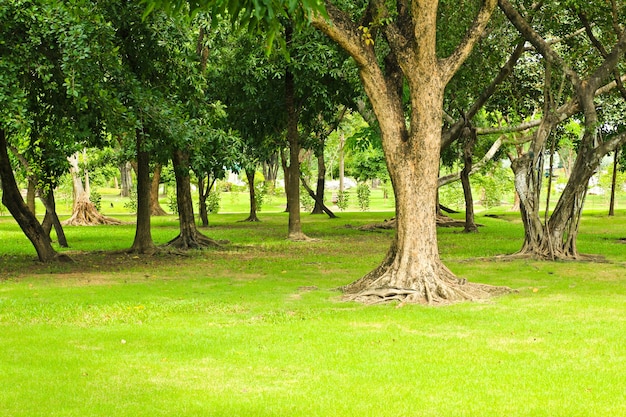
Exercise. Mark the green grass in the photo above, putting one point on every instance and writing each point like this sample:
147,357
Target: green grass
257,329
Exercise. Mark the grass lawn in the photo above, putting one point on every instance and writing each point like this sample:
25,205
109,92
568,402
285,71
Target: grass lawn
258,329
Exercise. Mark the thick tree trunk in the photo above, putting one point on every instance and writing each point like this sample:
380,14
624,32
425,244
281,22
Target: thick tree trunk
321,183
143,242
155,206
13,201
189,236
84,212
252,217
412,270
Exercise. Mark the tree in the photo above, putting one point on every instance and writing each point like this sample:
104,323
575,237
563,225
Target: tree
586,74
412,269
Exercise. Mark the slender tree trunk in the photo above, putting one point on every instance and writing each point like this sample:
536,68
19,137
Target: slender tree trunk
613,183
292,183
12,199
321,184
468,149
252,217
317,199
342,140
51,218
203,192
155,206
143,242
189,236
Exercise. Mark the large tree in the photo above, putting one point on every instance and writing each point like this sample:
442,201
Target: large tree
411,135
586,76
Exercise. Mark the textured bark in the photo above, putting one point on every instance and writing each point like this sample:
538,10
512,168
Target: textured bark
470,139
51,218
412,270
84,212
143,242
556,237
189,236
12,199
203,194
321,183
292,173
252,217
155,206
127,179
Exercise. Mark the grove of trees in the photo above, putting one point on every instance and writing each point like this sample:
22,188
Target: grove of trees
207,87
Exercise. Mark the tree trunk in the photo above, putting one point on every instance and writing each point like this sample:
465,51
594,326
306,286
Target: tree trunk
127,178
342,140
470,138
51,219
321,183
12,199
270,170
155,206
203,193
250,173
31,195
143,242
613,183
292,180
84,212
189,236
317,199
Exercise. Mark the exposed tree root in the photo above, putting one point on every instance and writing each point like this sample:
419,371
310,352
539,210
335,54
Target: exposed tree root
86,214
439,295
299,237
251,218
442,221
546,256
199,241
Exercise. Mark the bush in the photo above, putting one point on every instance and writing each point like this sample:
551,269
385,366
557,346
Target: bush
96,199
363,195
131,204
213,201
305,199
172,203
343,198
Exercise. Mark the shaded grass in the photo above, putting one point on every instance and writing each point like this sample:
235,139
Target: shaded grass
256,329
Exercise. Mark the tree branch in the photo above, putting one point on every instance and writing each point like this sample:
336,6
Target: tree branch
450,65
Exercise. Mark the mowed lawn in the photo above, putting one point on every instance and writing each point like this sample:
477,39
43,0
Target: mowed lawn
258,328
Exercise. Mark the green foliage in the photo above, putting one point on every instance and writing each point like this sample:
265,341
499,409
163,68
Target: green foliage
363,193
343,199
213,201
131,204
306,200
96,198
172,203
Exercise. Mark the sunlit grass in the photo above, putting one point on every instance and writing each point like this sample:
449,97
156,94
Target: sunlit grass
257,328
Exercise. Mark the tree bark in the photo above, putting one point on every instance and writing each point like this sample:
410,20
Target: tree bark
613,183
252,217
317,199
51,218
127,179
292,173
155,206
321,184
189,236
468,149
203,193
412,270
84,212
143,242
12,199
